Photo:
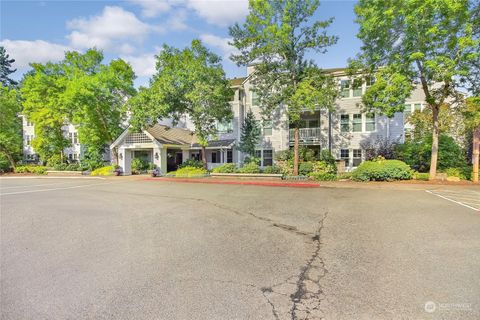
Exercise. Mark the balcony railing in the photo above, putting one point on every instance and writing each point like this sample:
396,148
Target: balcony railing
306,134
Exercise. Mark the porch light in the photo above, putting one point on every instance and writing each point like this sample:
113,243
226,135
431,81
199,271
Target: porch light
156,155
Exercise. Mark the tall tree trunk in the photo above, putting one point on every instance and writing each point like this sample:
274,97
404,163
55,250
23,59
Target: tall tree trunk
435,136
295,150
204,158
10,159
476,154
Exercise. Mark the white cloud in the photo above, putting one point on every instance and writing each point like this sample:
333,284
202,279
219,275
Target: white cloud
219,43
220,12
151,8
143,65
107,30
25,52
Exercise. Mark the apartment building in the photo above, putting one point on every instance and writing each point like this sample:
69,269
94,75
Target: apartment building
343,130
72,153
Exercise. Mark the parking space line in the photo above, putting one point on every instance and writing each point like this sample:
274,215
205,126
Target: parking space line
36,185
53,189
454,201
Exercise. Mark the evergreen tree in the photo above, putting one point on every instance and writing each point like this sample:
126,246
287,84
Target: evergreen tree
250,134
6,68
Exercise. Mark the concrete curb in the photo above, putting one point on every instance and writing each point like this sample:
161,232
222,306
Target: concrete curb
250,183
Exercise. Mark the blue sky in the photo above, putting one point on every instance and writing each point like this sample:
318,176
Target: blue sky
40,31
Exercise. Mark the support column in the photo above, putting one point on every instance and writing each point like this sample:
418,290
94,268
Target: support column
185,155
157,157
125,161
163,160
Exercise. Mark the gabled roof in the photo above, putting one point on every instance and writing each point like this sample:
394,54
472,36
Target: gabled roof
168,135
235,82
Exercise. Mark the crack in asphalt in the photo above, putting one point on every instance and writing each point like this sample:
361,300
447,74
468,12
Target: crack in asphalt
305,301
308,296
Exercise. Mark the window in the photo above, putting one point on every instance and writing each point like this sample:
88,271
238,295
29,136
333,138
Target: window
70,157
28,140
229,156
215,157
357,122
267,127
267,158
254,98
75,156
75,138
344,123
357,157
418,107
258,154
370,122
345,88
357,87
345,155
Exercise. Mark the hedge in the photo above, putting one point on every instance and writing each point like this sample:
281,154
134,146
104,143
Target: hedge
226,168
31,169
188,172
383,170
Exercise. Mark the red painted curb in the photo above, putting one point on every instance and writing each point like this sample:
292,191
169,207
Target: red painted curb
250,183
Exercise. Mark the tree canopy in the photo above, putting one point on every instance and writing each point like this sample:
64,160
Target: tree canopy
276,37
430,42
79,90
10,125
189,82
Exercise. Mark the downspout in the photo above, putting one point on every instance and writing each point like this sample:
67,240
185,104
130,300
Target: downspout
330,142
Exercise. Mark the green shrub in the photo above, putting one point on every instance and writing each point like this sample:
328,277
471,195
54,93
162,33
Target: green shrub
284,155
345,176
226,168
54,160
327,157
272,170
31,169
305,168
191,163
254,160
250,167
60,166
417,153
324,167
189,172
386,170
74,167
103,171
323,176
38,169
461,173
423,176
138,165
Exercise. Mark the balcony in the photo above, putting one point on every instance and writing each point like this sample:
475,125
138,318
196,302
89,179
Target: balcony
307,135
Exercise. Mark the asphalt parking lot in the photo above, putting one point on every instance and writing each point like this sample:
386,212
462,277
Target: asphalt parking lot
136,249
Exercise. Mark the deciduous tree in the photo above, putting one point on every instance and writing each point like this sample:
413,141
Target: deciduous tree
429,42
10,125
277,36
79,90
188,82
